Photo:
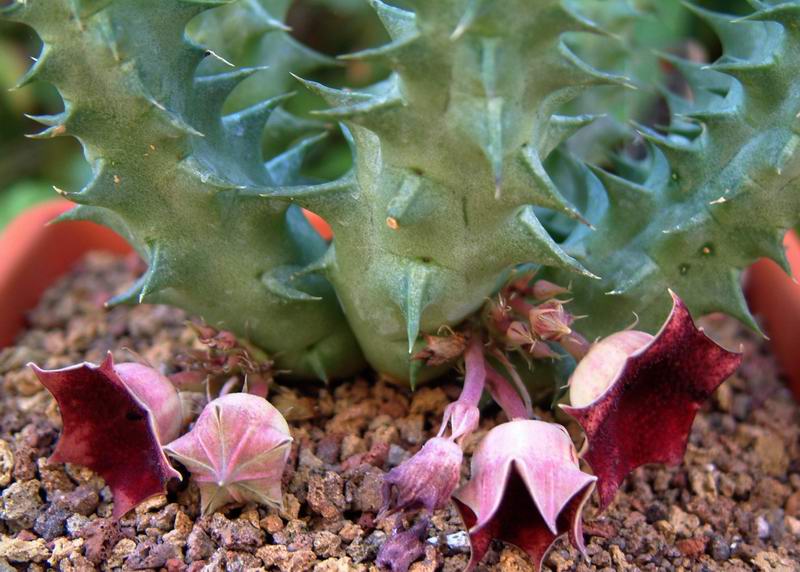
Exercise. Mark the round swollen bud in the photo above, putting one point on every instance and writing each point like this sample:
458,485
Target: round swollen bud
544,290
602,364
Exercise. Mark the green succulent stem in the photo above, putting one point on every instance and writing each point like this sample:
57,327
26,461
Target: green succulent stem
168,168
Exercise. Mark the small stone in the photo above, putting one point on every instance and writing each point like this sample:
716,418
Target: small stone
121,551
162,520
683,523
180,533
772,562
272,523
412,429
75,524
740,408
396,456
307,459
427,400
16,550
326,544
6,463
772,454
242,562
101,536
792,506
792,525
272,555
352,445
51,522
655,512
364,549
724,397
149,555
199,545
771,492
718,548
702,483
325,495
458,541
350,531
291,507
152,504
20,504
84,476
364,489
618,557
762,528
343,564
53,478
63,548
280,557
692,547
234,534
175,565
744,484
430,563
82,500
328,449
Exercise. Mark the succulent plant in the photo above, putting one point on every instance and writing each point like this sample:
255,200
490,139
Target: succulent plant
481,224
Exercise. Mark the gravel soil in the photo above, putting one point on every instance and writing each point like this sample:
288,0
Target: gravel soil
733,505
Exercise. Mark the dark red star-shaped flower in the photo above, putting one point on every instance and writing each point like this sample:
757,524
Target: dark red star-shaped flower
646,413
108,428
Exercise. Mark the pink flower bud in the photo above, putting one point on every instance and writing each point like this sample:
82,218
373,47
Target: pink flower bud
550,321
236,451
426,480
519,335
114,421
601,366
576,345
158,394
544,290
526,489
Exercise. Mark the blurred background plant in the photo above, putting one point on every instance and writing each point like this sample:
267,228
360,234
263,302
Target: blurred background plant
29,168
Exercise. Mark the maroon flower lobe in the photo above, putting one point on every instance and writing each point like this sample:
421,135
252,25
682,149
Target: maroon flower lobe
653,393
109,428
526,489
236,451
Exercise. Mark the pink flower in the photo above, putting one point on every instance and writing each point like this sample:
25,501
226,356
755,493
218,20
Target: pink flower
425,481
544,290
636,395
115,418
526,489
236,451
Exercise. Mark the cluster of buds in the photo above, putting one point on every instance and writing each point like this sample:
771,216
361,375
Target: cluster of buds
528,315
223,363
634,394
526,487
